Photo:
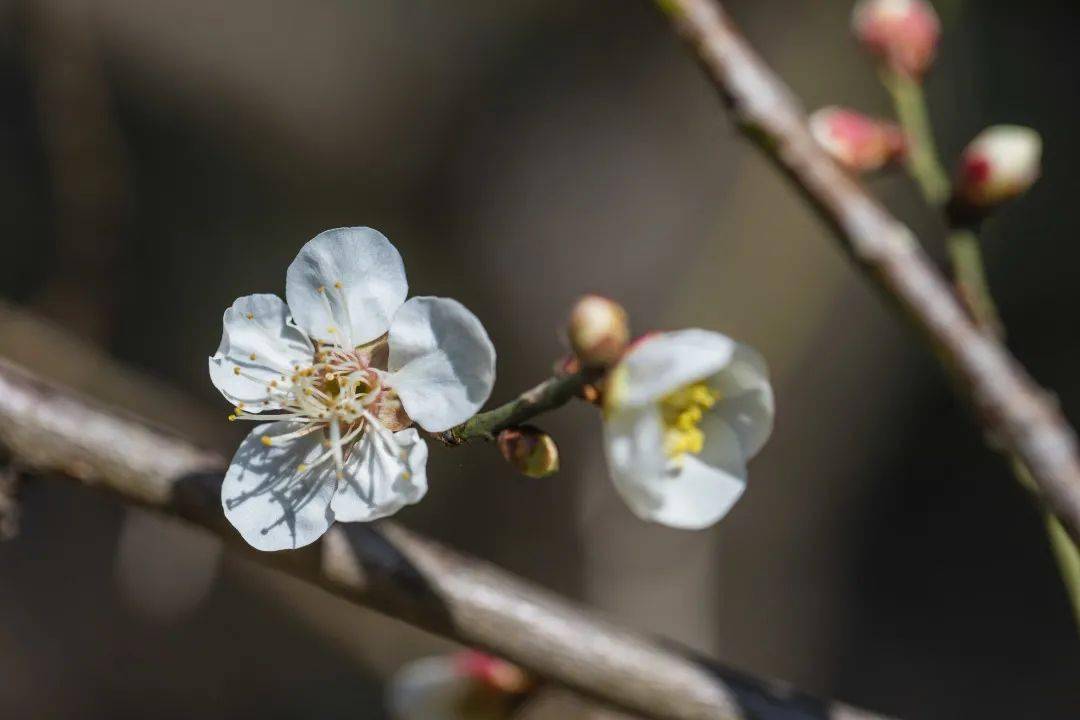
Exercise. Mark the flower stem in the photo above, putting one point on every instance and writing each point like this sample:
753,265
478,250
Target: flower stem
922,157
1068,560
548,395
1061,545
969,276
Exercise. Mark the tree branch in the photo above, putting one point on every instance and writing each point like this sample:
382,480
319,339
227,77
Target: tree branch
548,395
1016,413
390,569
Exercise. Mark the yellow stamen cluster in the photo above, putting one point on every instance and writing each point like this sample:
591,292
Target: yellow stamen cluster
682,411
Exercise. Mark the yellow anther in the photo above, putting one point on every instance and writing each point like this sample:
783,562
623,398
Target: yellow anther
239,406
682,412
331,329
301,468
266,441
236,370
321,288
405,474
273,383
251,357
338,285
251,316
232,418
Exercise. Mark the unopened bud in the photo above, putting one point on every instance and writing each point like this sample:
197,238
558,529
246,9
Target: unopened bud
902,33
858,142
453,687
531,450
599,330
494,672
1001,163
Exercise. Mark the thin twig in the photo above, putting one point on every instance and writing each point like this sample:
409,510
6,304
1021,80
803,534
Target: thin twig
922,156
1014,411
548,395
971,283
969,278
924,164
392,570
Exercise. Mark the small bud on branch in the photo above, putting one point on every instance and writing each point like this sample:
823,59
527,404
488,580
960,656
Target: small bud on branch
598,330
903,34
531,450
1001,163
858,142
469,685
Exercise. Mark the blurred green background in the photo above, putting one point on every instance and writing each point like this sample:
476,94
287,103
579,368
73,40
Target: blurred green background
159,158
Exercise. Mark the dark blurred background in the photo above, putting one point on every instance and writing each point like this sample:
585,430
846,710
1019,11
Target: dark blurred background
159,158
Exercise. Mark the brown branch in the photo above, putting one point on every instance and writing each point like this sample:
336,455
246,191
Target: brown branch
390,569
1018,415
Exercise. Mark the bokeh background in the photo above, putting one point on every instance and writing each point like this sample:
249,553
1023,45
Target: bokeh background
159,158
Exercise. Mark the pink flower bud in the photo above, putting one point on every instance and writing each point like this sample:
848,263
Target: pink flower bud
532,451
902,33
1001,163
469,684
856,141
494,672
598,330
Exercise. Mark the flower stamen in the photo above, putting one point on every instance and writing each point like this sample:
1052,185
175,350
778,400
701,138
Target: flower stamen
682,411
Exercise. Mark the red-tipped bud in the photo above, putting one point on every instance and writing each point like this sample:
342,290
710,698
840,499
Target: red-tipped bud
599,330
531,450
858,142
494,672
902,33
453,687
1001,163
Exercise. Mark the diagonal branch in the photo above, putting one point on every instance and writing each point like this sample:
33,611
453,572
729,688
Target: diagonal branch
388,568
1020,417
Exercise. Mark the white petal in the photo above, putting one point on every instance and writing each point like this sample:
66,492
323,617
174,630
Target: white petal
746,399
274,506
442,362
665,362
634,445
690,495
362,282
257,338
380,480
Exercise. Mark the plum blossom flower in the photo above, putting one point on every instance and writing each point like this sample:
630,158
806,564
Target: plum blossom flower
342,372
684,412
469,685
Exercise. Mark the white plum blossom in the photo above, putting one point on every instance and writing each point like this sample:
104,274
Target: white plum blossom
683,413
342,371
